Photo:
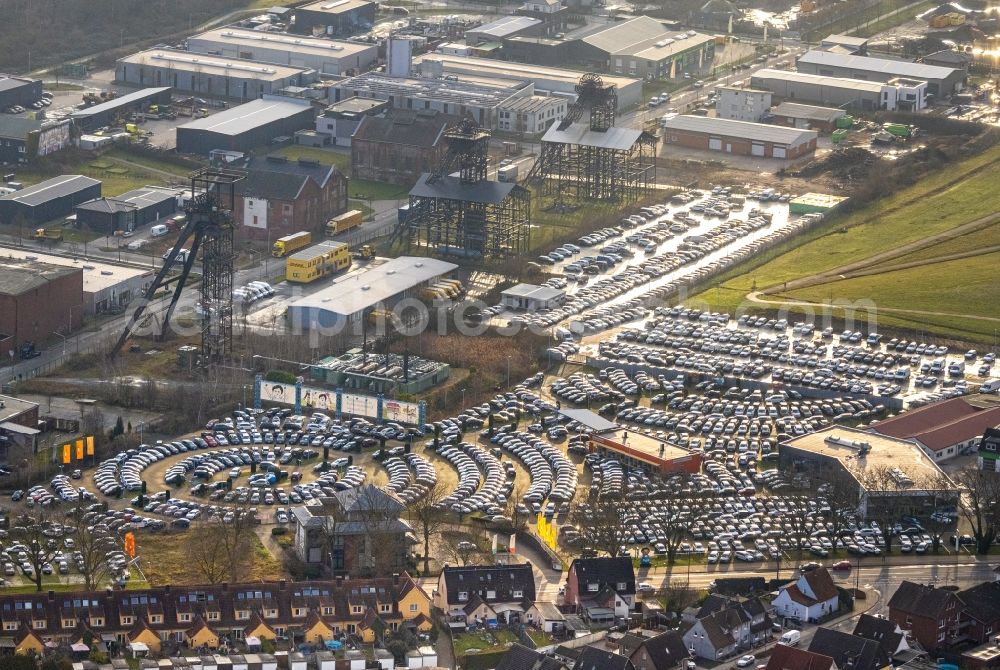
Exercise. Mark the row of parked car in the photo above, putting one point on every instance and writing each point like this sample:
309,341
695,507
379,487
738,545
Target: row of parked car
41,103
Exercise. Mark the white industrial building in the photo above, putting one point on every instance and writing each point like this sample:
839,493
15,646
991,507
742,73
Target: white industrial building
531,115
212,76
742,104
477,97
547,80
348,299
333,57
531,297
941,81
901,94
106,287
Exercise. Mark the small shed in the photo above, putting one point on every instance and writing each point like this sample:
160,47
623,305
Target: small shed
796,115
531,297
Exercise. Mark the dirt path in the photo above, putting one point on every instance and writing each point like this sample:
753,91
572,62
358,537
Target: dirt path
140,166
755,297
864,266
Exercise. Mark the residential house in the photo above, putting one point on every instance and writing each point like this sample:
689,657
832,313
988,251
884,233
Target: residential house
601,584
593,658
849,652
812,597
989,451
784,657
399,145
485,594
722,632
663,652
933,616
887,633
519,657
355,531
279,197
208,615
981,614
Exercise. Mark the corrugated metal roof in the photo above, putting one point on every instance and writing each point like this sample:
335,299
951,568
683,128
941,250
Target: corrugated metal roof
739,129
580,133
644,36
506,26
356,292
294,44
250,115
51,188
761,76
335,6
111,105
452,188
895,68
811,112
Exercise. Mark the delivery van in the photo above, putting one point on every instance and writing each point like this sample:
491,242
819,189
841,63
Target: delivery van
158,230
791,638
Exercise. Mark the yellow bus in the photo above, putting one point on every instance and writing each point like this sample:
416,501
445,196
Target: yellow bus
319,260
343,222
291,243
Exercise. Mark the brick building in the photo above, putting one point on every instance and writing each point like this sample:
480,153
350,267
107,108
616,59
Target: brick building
601,584
400,145
738,137
18,424
37,300
932,615
281,196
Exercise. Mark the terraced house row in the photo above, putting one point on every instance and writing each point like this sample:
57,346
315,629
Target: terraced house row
202,616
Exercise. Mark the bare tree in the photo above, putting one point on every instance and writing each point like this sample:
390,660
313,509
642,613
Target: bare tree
887,496
467,548
841,492
94,545
603,522
429,516
207,555
980,504
673,524
515,509
378,513
798,524
236,539
34,532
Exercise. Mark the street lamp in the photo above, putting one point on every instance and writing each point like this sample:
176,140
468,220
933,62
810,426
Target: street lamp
508,371
463,400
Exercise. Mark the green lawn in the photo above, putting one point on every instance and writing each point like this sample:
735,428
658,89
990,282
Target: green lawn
116,177
952,197
985,237
152,163
482,642
327,156
376,190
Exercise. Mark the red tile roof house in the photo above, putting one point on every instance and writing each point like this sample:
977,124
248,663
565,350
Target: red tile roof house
943,429
810,598
784,657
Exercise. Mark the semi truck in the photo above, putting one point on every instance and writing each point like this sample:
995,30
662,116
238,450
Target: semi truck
344,222
291,243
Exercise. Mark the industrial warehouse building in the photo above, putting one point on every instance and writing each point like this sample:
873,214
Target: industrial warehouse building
209,75
840,92
941,81
320,54
108,113
348,299
128,211
477,97
547,80
796,115
531,115
742,104
738,137
18,91
503,28
106,287
22,138
48,200
532,297
334,17
37,300
643,47
246,126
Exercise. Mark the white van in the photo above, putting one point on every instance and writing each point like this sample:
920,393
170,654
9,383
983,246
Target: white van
158,231
791,638
991,386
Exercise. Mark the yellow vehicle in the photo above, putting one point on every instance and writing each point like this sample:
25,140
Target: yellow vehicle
365,253
319,260
291,243
344,222
51,235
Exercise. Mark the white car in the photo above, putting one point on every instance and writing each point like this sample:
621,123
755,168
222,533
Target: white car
746,661
645,587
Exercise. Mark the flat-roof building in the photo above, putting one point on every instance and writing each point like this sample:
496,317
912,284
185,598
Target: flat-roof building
48,200
348,299
547,80
503,28
848,43
334,17
531,115
476,97
340,120
738,137
742,104
22,139
18,424
107,287
207,75
829,91
531,297
644,47
865,455
18,90
246,126
333,57
941,81
128,211
796,115
106,113
37,301
636,449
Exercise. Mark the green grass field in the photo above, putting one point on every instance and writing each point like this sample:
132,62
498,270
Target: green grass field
954,196
327,156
